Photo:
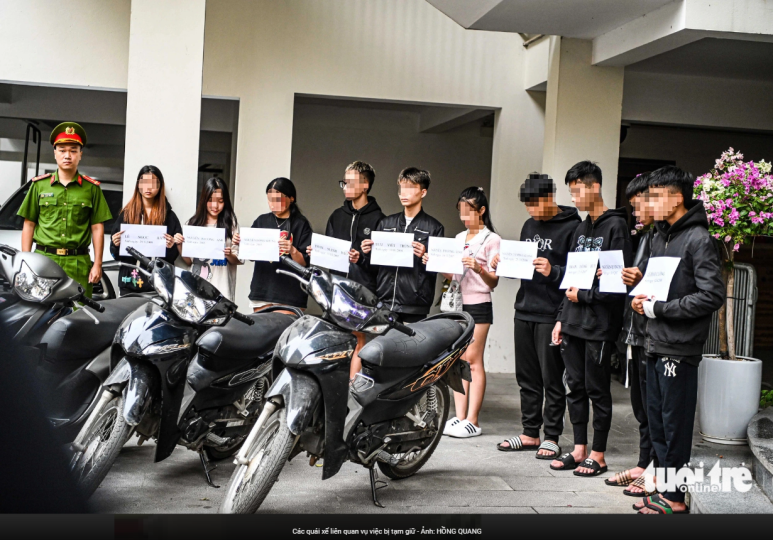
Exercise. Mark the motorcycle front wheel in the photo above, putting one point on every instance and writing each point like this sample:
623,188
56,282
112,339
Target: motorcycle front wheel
435,399
101,446
250,484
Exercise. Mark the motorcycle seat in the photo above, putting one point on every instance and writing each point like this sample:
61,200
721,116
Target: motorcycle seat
237,342
76,337
396,350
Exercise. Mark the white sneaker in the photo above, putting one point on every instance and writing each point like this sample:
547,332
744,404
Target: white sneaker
449,424
465,429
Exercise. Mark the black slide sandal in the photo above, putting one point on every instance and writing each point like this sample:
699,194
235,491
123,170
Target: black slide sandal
516,445
569,463
594,466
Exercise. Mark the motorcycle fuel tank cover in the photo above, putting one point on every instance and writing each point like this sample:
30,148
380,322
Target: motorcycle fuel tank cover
308,336
151,325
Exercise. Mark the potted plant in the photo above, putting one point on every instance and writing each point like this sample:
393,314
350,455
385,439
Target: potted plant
738,197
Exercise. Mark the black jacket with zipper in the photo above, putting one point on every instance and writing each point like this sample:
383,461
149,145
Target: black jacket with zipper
129,280
681,324
348,223
598,316
407,290
538,299
634,325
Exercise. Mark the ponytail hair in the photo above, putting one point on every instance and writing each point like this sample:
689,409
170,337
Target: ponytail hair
476,197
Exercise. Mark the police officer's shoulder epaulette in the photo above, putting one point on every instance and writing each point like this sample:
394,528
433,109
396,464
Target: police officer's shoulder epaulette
41,177
95,182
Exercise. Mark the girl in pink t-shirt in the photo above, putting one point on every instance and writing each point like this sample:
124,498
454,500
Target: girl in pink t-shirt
477,282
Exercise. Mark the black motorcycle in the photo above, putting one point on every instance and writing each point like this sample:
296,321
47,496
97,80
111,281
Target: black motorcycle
183,373
393,414
68,349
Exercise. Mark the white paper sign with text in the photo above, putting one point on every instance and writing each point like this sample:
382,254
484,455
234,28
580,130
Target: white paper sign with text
147,239
580,269
516,259
657,278
259,245
445,255
203,242
330,253
612,264
392,249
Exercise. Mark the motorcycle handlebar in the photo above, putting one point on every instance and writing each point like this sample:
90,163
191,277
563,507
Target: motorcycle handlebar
144,261
400,327
243,318
96,306
302,271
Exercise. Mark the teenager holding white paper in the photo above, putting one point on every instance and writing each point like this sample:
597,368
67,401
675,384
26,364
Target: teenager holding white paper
409,292
678,327
539,368
268,287
477,282
215,210
588,324
148,206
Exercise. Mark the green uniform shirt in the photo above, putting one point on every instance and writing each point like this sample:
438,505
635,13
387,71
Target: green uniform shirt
63,217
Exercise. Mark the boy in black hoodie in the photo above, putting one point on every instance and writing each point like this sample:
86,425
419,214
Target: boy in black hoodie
677,328
539,368
356,219
588,324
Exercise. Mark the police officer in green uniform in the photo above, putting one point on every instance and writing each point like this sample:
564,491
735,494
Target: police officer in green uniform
64,212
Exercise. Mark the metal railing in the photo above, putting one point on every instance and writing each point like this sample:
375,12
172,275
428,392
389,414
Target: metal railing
744,307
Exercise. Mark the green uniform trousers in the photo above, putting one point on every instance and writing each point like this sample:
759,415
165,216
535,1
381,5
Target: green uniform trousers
75,266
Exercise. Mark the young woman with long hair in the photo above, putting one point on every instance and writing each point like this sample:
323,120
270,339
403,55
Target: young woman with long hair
268,287
477,282
215,210
148,206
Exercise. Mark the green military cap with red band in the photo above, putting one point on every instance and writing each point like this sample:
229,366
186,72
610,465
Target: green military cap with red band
68,133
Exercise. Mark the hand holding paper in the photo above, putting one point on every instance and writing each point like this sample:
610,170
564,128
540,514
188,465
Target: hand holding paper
657,278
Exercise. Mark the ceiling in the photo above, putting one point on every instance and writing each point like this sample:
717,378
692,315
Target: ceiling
711,57
583,19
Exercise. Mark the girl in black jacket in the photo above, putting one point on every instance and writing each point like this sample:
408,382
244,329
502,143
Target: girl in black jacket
268,287
148,206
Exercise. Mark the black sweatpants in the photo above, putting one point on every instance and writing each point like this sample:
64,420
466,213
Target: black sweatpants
637,370
588,371
672,394
539,371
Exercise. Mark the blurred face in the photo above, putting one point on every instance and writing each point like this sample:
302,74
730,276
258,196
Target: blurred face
410,194
641,208
541,208
68,156
278,202
354,185
149,186
215,203
663,202
471,217
584,195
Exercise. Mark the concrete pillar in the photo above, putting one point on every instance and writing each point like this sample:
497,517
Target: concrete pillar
582,115
163,110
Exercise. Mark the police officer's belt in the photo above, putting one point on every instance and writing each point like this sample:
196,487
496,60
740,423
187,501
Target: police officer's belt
62,251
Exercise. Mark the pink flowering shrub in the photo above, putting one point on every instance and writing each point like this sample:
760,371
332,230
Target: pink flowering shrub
738,197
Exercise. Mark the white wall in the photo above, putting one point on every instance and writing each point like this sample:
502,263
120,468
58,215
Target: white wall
72,43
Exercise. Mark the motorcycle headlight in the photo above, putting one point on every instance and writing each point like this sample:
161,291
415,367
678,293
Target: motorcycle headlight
348,312
160,286
187,305
30,286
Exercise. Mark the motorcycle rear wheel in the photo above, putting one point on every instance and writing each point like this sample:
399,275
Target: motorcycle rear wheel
102,445
413,461
250,484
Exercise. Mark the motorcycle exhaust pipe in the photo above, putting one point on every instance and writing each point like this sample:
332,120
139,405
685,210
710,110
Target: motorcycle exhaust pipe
268,410
77,444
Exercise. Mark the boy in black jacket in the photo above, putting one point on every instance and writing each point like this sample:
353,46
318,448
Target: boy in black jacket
409,292
539,368
356,219
588,324
678,327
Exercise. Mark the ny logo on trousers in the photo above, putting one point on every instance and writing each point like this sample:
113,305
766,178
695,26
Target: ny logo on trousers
670,368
